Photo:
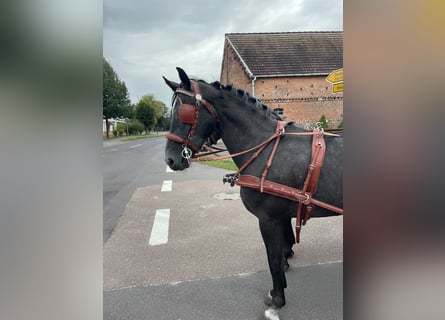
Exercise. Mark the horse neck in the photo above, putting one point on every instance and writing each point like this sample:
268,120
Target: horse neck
244,128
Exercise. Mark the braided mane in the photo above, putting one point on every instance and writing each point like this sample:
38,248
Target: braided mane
246,99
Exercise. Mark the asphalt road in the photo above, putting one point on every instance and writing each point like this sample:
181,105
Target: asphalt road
127,166
213,264
130,165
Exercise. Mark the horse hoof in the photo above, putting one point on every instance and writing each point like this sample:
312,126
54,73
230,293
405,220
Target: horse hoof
276,302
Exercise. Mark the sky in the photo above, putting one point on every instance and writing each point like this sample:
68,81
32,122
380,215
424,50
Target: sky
147,39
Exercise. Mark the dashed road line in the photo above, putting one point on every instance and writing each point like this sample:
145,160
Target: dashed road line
167,186
136,145
159,231
168,169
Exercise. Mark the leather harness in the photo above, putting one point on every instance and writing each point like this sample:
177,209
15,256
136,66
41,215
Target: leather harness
189,114
304,197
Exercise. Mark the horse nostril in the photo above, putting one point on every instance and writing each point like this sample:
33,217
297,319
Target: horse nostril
170,162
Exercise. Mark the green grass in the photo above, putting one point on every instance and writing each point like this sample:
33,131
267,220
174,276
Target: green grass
144,136
135,137
227,164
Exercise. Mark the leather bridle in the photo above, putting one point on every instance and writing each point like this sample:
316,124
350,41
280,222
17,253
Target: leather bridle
189,114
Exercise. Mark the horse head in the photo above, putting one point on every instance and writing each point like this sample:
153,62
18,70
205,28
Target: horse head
193,121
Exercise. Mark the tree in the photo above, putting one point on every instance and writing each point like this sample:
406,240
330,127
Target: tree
164,121
149,111
116,101
146,115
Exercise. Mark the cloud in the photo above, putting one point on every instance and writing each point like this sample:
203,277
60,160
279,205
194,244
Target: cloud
144,40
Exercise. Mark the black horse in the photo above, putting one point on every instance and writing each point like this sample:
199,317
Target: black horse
201,109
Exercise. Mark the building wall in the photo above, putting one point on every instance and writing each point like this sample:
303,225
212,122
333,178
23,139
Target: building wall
303,99
233,71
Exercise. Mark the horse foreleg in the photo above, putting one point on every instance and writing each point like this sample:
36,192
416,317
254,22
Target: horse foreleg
289,241
272,233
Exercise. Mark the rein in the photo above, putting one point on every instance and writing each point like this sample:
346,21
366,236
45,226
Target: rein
218,150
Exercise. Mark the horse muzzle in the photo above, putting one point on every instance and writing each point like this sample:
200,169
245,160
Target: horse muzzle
177,163
177,157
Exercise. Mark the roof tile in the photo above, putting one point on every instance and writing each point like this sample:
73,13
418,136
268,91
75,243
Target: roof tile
289,53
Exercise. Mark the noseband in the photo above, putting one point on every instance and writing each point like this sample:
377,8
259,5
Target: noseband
189,113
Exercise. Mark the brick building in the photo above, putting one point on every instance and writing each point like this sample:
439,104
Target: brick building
287,71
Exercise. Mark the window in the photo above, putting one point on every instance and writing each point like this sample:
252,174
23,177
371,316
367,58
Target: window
278,111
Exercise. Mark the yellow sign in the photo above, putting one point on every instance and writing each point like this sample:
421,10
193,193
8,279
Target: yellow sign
335,76
337,87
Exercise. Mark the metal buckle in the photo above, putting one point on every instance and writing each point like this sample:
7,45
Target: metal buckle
307,200
186,153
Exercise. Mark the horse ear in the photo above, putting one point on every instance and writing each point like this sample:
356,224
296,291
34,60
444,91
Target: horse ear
184,79
173,85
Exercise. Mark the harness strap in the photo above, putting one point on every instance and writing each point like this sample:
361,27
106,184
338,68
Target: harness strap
210,151
304,197
304,210
184,141
280,131
283,191
276,135
200,100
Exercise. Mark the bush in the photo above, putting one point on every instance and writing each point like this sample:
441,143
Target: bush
121,128
135,127
340,126
324,123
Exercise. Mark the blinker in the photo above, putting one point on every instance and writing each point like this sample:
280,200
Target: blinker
186,113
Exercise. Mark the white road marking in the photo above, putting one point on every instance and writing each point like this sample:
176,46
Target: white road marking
168,169
167,186
159,232
136,145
